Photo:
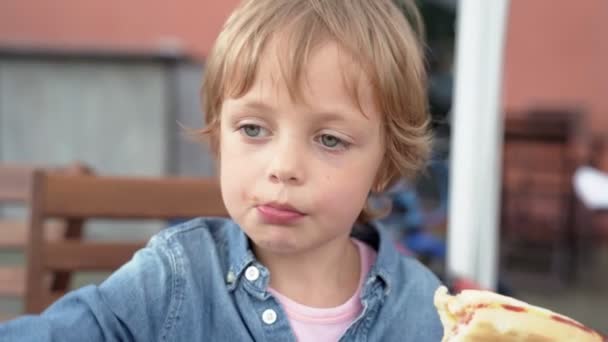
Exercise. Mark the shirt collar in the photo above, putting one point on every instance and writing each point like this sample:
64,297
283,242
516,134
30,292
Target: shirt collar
239,255
374,234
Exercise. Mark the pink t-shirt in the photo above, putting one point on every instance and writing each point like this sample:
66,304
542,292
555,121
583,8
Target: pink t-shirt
327,324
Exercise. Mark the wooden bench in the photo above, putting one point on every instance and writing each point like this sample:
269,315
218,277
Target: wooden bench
16,189
75,199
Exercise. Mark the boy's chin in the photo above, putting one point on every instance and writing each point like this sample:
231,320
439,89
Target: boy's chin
276,245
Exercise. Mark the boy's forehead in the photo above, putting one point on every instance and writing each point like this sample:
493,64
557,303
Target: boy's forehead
328,76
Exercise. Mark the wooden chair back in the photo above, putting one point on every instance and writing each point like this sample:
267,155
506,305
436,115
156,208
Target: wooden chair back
75,199
16,183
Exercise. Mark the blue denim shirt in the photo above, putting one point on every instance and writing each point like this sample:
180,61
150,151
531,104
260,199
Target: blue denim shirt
189,284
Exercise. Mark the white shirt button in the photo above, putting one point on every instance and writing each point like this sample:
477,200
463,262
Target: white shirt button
269,316
230,277
252,273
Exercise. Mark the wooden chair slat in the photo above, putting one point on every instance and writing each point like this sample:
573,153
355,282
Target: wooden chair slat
15,233
12,281
15,183
72,196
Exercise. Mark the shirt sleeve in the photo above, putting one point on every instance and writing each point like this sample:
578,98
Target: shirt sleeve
133,304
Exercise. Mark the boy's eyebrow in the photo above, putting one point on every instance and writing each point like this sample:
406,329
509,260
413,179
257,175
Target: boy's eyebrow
321,115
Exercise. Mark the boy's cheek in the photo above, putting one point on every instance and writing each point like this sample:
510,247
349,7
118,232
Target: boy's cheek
234,196
345,200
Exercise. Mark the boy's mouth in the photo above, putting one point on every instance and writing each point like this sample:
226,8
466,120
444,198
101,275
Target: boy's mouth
279,213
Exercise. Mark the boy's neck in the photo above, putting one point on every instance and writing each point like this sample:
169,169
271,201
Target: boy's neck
324,277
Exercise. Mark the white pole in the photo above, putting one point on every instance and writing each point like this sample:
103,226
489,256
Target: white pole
475,165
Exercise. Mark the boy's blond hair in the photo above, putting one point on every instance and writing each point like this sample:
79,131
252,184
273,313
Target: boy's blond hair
374,34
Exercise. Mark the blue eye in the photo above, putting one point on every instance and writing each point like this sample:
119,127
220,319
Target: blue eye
331,141
251,131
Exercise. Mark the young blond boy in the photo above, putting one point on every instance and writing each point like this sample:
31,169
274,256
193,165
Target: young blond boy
310,106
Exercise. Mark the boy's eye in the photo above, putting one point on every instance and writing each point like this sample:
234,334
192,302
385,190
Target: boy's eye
251,130
330,141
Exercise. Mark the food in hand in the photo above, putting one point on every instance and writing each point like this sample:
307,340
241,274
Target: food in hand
475,315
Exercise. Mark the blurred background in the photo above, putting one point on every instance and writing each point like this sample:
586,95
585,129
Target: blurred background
110,83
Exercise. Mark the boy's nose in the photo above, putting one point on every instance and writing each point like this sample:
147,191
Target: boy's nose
283,177
286,167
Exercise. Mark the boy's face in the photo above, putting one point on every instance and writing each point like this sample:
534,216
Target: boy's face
295,176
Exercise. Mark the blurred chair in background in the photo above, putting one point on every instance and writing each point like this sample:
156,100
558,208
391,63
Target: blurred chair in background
542,150
76,199
16,190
